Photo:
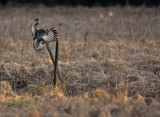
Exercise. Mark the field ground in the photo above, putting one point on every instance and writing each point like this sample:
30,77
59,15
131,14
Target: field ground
109,59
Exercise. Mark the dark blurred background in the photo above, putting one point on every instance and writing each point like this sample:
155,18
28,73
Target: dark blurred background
84,2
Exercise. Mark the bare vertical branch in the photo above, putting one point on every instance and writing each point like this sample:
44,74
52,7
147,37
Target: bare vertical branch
56,64
53,61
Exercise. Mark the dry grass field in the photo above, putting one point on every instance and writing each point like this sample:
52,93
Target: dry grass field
109,59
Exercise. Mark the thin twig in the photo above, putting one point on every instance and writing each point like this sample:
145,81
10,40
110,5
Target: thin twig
85,39
150,31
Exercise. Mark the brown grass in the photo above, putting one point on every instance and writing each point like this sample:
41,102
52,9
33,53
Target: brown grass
109,60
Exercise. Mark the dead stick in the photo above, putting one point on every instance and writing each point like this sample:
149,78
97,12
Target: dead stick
53,61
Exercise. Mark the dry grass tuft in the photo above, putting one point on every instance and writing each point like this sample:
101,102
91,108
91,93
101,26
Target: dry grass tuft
33,112
4,73
85,96
121,95
55,94
5,86
38,98
140,98
100,93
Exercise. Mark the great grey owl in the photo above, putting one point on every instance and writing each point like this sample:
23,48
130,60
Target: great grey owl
41,36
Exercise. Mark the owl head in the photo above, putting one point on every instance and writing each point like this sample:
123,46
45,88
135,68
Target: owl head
35,23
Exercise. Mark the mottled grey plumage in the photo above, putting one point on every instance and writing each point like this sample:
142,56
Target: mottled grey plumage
41,36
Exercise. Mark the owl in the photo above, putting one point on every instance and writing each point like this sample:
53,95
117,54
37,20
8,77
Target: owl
42,36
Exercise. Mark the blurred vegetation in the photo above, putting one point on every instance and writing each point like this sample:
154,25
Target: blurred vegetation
109,59
85,2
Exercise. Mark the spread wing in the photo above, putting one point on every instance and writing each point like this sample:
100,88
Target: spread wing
50,36
34,27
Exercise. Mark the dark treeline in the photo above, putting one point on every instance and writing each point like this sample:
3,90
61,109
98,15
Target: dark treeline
85,2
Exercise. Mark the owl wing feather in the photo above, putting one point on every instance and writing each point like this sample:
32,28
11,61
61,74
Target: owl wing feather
50,36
